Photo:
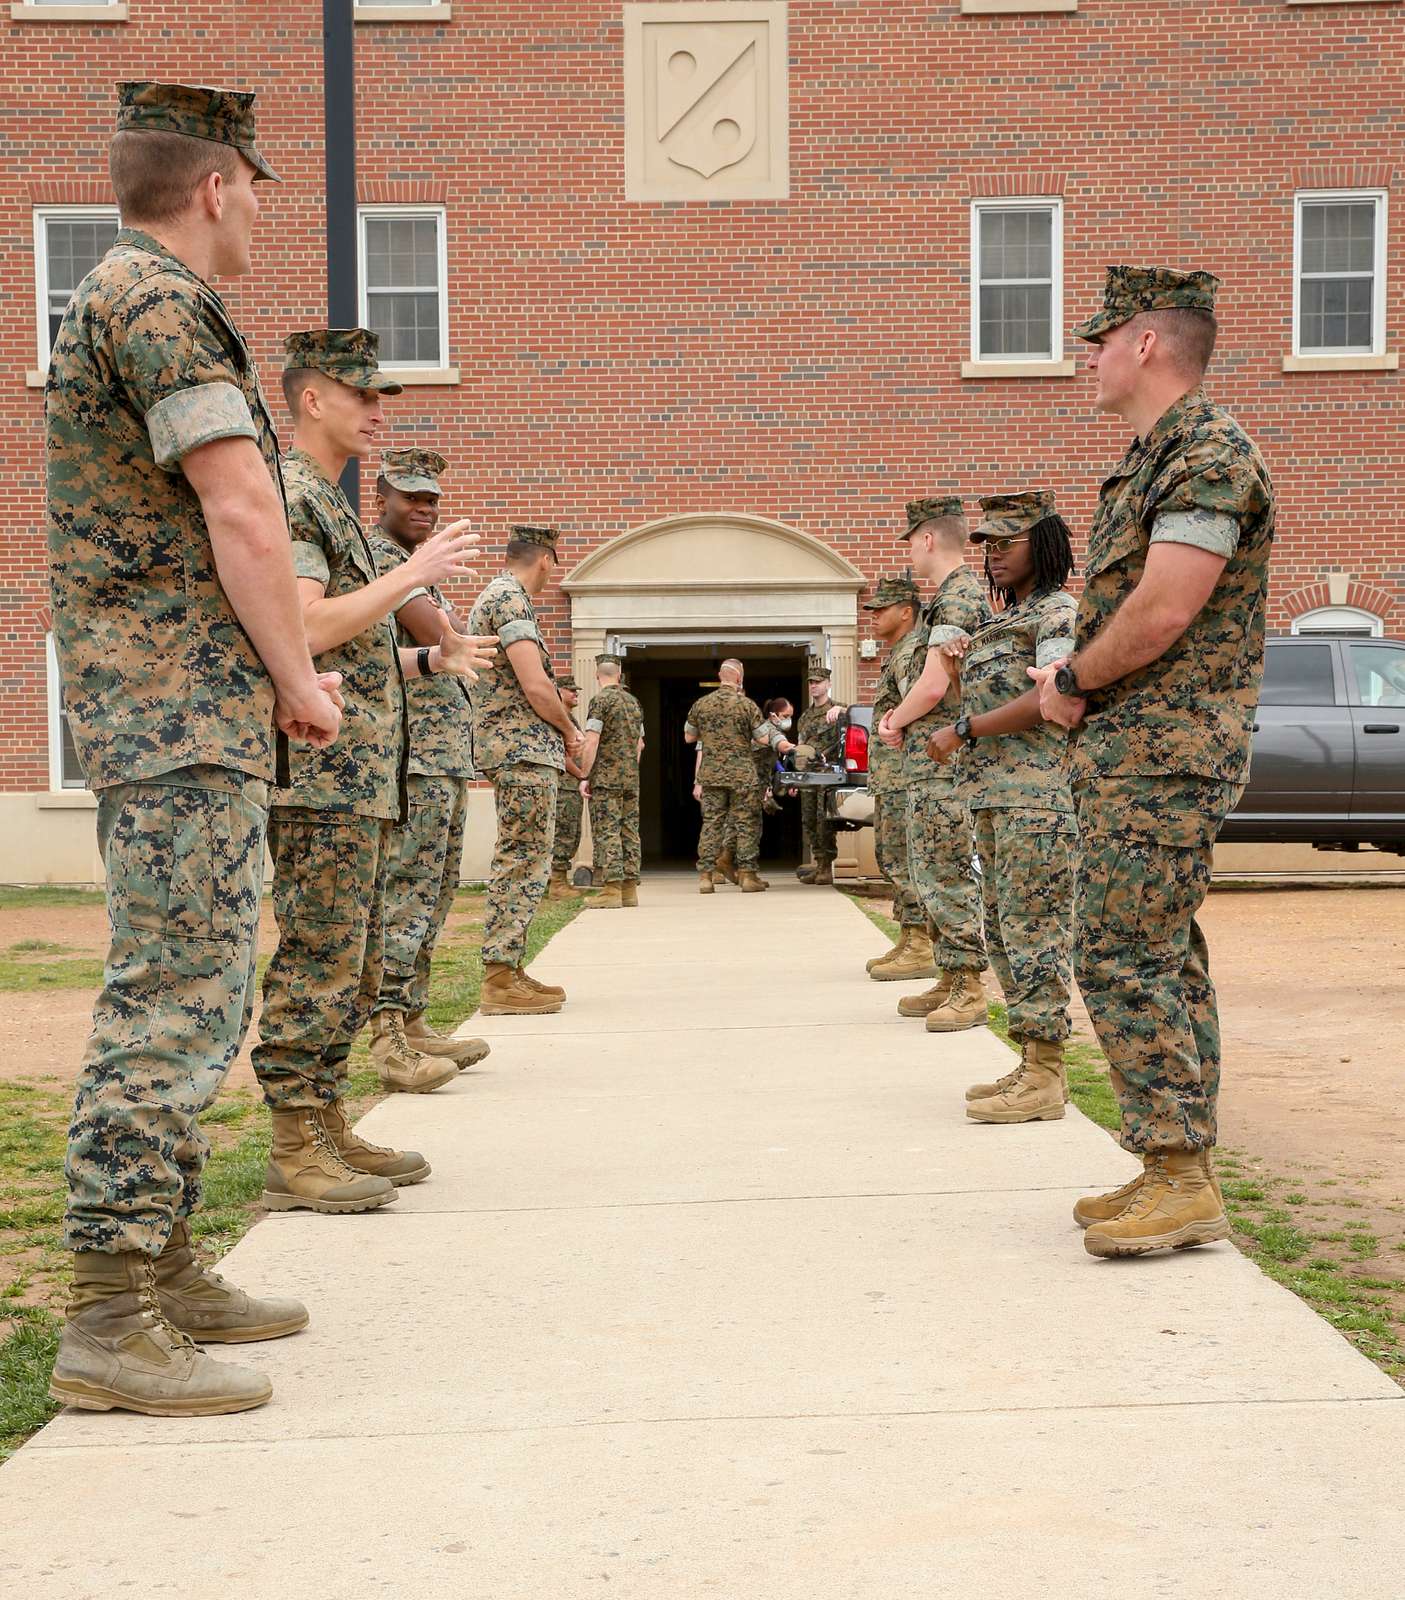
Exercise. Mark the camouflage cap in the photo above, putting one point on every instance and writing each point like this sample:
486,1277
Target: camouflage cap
1130,290
817,672
529,533
568,683
350,355
920,511
1006,516
606,659
413,470
223,116
898,589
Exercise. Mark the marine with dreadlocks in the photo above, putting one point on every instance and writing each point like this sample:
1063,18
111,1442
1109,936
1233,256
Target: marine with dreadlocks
1014,781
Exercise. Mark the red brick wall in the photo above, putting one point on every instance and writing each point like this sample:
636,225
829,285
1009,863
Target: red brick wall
800,359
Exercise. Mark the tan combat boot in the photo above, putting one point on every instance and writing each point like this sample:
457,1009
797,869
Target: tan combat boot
924,1004
629,891
915,960
1035,1095
726,866
752,882
983,1091
705,885
806,874
402,1068
202,1304
1175,1207
119,1350
823,875
462,1052
900,943
1095,1208
306,1172
963,1008
553,989
559,887
505,994
400,1167
610,898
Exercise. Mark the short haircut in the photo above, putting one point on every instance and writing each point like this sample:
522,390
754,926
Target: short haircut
294,381
524,550
950,531
608,669
912,606
154,173
733,665
1189,336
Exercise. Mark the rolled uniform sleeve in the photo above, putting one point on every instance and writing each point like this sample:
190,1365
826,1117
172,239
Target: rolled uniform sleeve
1053,638
1215,531
594,725
767,733
1207,497
311,542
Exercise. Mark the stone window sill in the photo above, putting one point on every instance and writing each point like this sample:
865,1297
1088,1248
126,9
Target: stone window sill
1014,8
421,377
1337,2
35,379
426,13
67,800
1383,363
1019,369
22,11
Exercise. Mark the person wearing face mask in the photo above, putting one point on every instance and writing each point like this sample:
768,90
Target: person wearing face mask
819,729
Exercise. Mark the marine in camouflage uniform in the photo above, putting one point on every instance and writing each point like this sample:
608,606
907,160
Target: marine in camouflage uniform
1159,759
171,710
570,806
426,854
523,756
728,726
616,724
887,776
823,736
332,829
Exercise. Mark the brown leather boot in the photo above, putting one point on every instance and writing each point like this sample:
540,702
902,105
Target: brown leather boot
963,1008
924,1004
806,874
726,866
751,881
462,1052
120,1350
553,989
910,961
199,1302
401,1167
629,891
1035,1095
823,875
1175,1208
559,887
705,883
610,898
306,1171
1095,1208
404,1069
505,994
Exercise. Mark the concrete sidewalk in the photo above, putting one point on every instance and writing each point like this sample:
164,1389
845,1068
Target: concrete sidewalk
701,1301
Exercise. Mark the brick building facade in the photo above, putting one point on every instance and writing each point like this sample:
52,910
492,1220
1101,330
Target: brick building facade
759,367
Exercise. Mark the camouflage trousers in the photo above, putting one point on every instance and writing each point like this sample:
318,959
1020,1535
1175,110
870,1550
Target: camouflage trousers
567,841
890,847
525,795
419,888
614,827
183,854
817,829
1141,959
939,852
1027,860
730,809
329,875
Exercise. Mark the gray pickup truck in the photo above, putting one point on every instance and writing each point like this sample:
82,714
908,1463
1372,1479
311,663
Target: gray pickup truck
1329,750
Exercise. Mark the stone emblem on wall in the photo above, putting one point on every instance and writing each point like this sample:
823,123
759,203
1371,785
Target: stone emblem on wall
706,114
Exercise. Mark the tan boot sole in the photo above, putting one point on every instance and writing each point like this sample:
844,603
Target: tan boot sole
906,975
88,1397
1210,1231
271,1201
425,1085
267,1330
1043,1114
956,1026
544,1007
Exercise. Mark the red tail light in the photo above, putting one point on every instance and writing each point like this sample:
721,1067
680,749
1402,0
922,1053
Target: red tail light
856,749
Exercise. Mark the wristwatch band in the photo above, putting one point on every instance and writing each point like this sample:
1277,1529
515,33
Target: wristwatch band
962,726
423,660
1066,682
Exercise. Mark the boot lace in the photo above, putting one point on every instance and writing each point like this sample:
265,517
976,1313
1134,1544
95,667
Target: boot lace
1145,1199
150,1303
327,1145
366,1144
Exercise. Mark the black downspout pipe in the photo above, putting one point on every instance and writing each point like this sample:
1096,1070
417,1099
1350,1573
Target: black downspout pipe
339,133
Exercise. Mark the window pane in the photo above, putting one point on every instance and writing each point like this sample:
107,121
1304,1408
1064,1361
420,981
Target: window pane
1378,675
1016,244
1339,236
408,325
1298,675
402,252
1015,320
1336,314
72,775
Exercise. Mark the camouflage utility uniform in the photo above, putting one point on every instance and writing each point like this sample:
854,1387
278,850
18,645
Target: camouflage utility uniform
1015,786
617,717
1160,759
522,755
887,779
332,833
727,725
426,853
569,816
823,736
939,847
172,714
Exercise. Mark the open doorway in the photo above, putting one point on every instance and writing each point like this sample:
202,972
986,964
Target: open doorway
668,678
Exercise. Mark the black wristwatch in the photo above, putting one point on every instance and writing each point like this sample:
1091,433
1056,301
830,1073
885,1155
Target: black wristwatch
962,729
1066,683
422,659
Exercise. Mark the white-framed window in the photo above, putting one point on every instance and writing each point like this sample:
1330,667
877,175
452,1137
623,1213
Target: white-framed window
65,769
1343,621
397,5
1339,256
1017,280
69,241
404,277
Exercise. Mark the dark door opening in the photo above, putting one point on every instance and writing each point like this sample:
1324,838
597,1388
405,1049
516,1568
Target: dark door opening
668,679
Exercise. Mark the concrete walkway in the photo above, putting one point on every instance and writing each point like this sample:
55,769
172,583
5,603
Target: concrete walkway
706,1301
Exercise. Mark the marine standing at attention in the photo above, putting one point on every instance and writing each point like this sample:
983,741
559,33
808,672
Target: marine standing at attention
614,743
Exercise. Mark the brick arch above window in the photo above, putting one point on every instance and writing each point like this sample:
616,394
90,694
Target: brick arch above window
1356,596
